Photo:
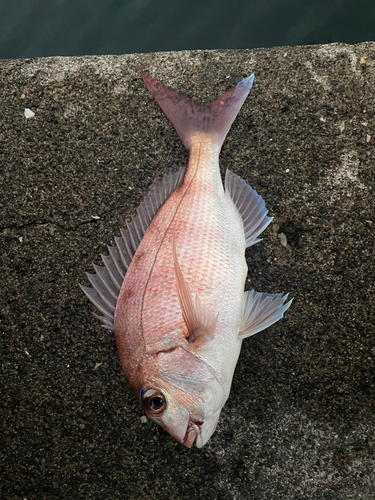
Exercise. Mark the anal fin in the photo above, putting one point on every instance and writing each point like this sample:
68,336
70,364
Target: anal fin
250,205
261,310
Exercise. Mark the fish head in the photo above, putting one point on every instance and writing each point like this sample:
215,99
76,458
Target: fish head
183,397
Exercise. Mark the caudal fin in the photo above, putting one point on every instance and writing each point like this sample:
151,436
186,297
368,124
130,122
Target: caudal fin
190,118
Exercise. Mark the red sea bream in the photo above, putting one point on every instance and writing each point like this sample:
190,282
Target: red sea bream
173,287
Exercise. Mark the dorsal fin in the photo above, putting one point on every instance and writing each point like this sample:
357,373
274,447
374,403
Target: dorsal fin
107,281
250,205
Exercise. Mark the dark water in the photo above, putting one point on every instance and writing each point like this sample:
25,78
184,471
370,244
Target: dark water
31,28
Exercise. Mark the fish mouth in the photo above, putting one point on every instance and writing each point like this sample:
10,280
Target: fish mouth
192,432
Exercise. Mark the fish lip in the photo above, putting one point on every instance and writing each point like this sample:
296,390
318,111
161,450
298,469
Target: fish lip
192,432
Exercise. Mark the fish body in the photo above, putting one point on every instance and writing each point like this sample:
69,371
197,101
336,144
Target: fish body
173,288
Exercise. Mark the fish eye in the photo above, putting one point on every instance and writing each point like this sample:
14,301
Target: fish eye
154,402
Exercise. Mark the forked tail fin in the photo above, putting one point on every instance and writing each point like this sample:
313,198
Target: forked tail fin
190,118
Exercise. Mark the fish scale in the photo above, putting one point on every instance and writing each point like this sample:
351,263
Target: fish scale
195,214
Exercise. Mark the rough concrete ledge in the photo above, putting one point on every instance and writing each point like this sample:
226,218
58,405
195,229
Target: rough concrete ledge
300,422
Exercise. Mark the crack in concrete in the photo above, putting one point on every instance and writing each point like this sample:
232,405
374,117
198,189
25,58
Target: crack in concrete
60,224
44,223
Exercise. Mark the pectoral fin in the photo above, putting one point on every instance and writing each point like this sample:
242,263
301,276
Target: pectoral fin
261,310
199,321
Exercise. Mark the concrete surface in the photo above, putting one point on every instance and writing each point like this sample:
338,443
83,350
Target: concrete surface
300,421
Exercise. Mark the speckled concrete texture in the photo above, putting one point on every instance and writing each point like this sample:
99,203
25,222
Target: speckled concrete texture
300,421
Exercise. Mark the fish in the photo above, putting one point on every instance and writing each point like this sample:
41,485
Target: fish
173,287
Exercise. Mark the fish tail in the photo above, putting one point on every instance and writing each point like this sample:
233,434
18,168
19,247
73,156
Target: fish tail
190,118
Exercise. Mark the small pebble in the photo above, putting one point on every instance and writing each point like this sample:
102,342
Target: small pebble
144,419
283,240
28,113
